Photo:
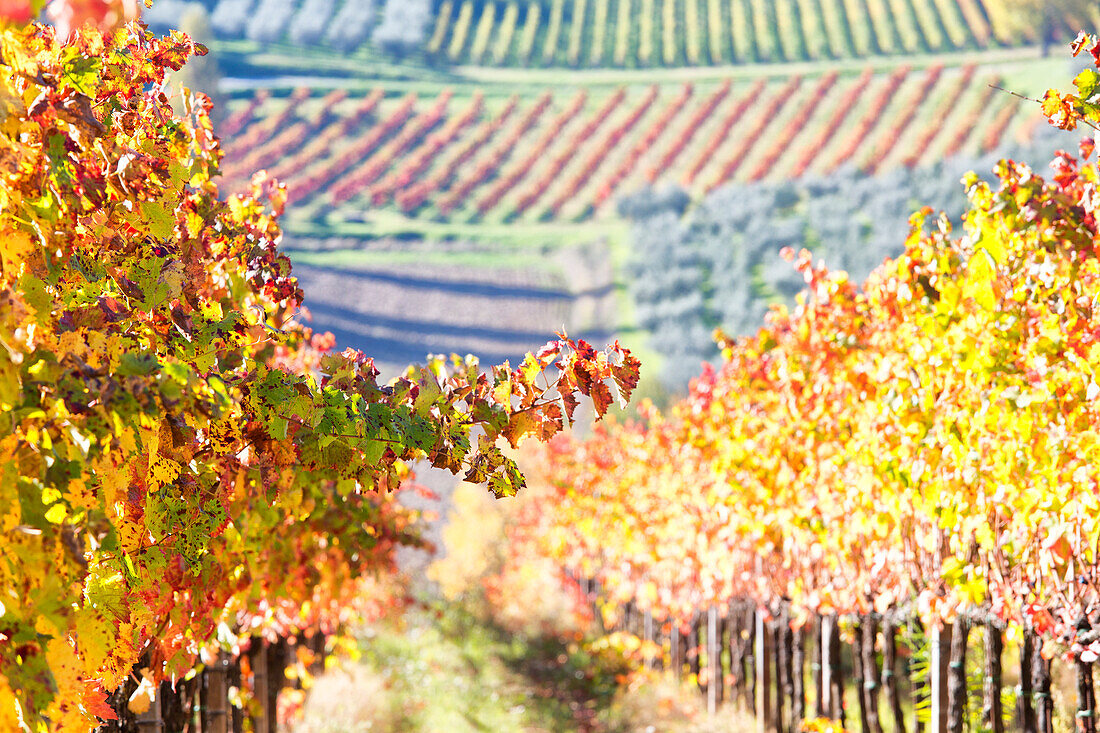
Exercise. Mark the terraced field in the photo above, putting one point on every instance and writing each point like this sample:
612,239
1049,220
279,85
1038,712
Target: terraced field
401,301
480,154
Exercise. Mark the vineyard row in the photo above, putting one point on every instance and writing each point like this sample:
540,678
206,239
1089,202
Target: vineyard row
648,33
785,669
643,33
569,155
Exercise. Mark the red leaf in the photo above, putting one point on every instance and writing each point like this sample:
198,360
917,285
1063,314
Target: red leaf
17,11
95,702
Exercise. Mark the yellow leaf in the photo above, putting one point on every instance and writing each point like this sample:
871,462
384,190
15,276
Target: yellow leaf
518,426
127,440
144,695
224,435
17,54
95,638
14,246
160,222
46,627
63,662
163,471
130,535
980,276
112,482
10,710
57,513
502,392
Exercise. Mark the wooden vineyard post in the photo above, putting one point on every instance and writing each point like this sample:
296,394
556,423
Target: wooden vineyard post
177,703
992,712
260,684
838,677
317,645
215,697
276,680
714,649
940,643
956,681
693,651
786,646
870,673
1086,721
721,644
725,658
735,649
1044,703
675,649
778,672
817,666
1025,700
858,660
236,715
763,662
684,640
659,638
825,638
647,636
750,652
834,687
889,669
189,698
798,664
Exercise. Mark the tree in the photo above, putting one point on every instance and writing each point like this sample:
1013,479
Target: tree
201,73
179,458
1024,16
403,26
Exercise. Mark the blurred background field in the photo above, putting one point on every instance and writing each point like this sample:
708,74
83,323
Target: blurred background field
582,163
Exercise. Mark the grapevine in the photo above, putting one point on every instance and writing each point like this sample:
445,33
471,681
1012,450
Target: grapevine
184,462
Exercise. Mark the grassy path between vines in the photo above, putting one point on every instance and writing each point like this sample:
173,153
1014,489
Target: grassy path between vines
442,669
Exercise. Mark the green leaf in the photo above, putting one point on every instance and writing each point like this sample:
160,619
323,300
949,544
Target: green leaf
135,364
277,428
372,451
416,432
429,395
44,207
507,480
161,222
80,70
35,294
1087,82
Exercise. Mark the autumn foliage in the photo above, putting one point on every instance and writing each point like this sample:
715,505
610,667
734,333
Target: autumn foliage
925,442
182,464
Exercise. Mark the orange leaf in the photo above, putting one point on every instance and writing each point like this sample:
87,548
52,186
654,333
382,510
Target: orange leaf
94,701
